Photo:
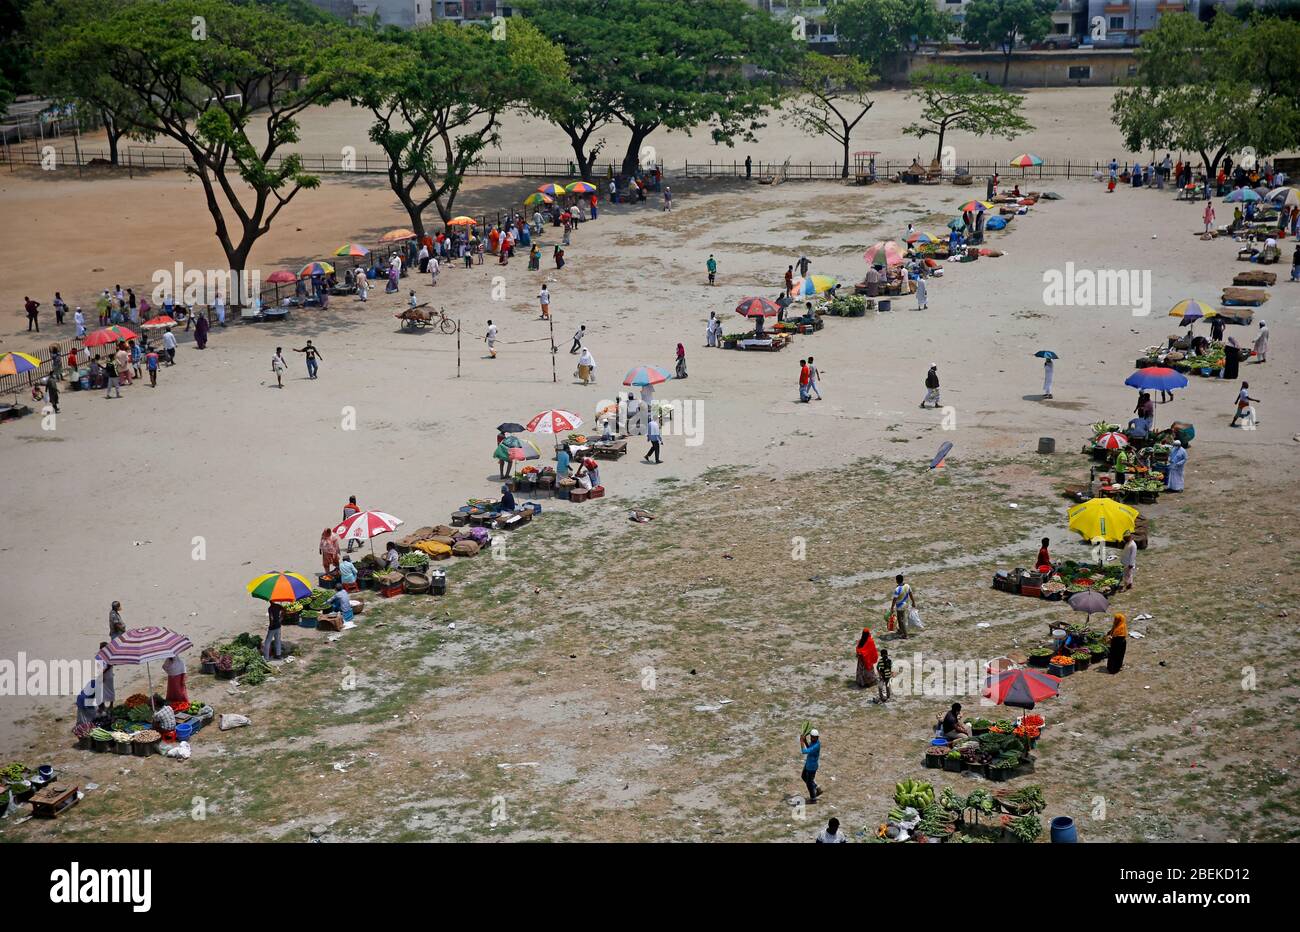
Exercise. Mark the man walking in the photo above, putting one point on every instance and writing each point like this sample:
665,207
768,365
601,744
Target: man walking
805,379
1243,404
921,297
169,346
79,320
668,198
814,376
278,365
544,296
810,746
903,606
490,338
712,266
313,356
32,307
1129,559
931,388
110,370
652,433
579,336
151,364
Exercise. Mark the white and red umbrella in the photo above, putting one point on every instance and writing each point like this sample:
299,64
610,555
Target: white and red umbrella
366,525
1112,440
554,422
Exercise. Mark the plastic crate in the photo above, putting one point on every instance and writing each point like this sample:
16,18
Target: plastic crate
389,592
597,492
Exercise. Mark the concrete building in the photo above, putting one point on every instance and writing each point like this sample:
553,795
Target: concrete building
819,33
470,11
1122,22
1030,68
406,14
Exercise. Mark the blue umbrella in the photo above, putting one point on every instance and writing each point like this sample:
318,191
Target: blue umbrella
1046,354
1241,194
939,457
1157,377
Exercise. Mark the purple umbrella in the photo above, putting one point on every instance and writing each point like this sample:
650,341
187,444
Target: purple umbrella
142,646
1089,602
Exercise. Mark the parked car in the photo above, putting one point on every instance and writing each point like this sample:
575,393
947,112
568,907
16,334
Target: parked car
1055,42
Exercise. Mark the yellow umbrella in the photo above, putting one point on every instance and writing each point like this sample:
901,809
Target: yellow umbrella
14,363
1192,308
1103,518
461,222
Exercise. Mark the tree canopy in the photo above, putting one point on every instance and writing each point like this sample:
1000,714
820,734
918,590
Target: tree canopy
955,100
880,31
648,64
830,97
1001,24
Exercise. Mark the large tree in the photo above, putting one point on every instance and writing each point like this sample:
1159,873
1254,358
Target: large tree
437,100
956,100
675,64
880,31
1001,24
1214,90
831,96
200,72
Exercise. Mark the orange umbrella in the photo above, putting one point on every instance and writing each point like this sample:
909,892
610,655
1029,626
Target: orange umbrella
394,235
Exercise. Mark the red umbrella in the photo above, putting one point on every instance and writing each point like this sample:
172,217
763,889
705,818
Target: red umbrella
1111,440
756,307
1021,687
110,335
281,277
162,320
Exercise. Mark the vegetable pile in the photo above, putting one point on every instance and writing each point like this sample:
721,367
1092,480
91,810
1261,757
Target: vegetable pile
915,793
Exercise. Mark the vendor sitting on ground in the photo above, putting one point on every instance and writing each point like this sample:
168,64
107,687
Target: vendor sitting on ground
952,726
341,604
1137,429
606,435
391,556
347,571
507,502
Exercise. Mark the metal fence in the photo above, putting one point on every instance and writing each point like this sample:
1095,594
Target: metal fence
885,170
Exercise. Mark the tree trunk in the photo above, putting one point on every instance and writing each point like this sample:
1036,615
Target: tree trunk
414,212
938,151
1006,66
114,134
844,172
632,157
578,142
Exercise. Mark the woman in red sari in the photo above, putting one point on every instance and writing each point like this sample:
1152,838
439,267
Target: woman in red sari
177,695
868,656
329,551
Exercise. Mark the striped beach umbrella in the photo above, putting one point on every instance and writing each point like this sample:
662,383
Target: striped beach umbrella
1112,440
1026,161
279,587
554,421
315,268
144,645
920,239
352,249
554,190
1191,309
886,252
537,199
367,525
582,187
110,335
756,307
17,363
814,285
1241,195
646,375
1021,688
976,205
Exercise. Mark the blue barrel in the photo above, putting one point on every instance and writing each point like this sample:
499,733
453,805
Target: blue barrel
1063,830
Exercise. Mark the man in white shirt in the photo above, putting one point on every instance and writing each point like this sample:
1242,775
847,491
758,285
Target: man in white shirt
544,297
79,319
219,305
490,338
831,834
169,345
1128,560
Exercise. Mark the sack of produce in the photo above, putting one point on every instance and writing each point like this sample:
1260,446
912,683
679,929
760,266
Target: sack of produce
465,548
435,549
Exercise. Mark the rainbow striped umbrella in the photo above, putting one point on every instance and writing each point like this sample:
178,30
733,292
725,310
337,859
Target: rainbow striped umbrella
582,187
976,205
537,199
646,375
16,363
814,284
279,587
1026,161
352,249
920,238
144,645
554,190
367,525
886,252
554,421
756,307
315,268
110,335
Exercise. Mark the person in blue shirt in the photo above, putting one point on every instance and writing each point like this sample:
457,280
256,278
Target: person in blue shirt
810,746
507,502
342,603
347,570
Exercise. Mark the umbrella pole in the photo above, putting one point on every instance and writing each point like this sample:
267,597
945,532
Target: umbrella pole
148,671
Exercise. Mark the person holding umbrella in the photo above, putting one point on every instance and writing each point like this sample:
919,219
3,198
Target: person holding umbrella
1049,370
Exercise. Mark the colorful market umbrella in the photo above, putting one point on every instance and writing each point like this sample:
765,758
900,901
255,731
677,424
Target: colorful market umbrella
1021,688
281,277
279,587
886,252
1102,518
162,320
1285,197
110,335
537,198
1158,377
1026,161
756,307
394,235
18,363
554,190
1191,309
1046,354
554,421
920,239
1241,195
143,646
582,187
814,285
464,221
1112,440
646,375
315,268
976,205
367,525
352,249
